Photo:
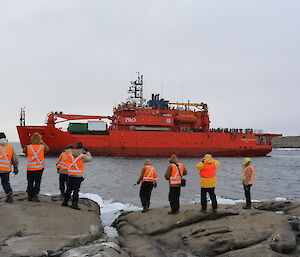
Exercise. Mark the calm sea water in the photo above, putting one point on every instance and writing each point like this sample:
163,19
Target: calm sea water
277,175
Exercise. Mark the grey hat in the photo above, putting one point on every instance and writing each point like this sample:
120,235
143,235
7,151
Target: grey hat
2,135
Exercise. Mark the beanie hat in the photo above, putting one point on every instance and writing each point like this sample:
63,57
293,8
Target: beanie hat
2,135
173,158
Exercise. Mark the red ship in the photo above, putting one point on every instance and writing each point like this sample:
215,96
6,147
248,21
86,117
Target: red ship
154,128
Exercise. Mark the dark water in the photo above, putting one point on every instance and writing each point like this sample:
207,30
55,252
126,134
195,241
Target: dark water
277,175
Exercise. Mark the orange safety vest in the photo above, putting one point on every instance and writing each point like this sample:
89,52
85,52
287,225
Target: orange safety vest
5,157
76,165
251,181
150,174
175,178
209,170
63,163
35,157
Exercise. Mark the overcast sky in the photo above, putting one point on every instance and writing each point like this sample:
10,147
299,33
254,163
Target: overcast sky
242,58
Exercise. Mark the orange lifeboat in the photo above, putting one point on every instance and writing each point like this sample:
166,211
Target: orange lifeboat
186,119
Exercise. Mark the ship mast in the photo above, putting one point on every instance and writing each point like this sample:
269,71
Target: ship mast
22,116
136,90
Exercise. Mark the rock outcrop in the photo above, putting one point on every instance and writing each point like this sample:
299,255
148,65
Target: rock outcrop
45,228
270,229
31,229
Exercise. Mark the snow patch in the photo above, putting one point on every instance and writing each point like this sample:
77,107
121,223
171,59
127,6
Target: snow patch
109,210
280,199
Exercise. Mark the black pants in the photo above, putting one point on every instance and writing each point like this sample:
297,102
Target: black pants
212,195
63,178
34,179
73,185
248,194
5,182
174,195
145,193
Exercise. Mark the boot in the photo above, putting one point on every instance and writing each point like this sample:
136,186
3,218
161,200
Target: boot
35,198
65,202
145,209
29,198
75,206
9,197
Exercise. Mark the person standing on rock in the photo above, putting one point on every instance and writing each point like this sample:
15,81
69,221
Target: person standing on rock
174,174
8,158
247,180
148,177
35,165
208,181
62,169
76,173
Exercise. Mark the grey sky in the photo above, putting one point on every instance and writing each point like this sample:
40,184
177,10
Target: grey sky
240,57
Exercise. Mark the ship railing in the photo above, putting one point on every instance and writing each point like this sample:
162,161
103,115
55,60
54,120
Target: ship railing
237,130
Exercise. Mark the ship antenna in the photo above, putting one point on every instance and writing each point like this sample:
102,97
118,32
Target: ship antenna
136,89
22,116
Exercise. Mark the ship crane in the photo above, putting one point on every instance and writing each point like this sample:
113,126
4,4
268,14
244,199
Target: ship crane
52,117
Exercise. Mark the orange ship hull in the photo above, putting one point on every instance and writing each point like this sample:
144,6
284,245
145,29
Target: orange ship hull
151,143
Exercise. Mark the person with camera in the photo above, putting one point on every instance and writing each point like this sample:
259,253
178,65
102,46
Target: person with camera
35,165
8,159
174,174
208,181
148,177
76,173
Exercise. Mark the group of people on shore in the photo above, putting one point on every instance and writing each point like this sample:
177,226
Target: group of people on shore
70,166
71,169
208,181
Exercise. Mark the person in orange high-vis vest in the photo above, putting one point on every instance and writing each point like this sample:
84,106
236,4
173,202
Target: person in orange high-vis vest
174,174
8,161
148,177
35,165
76,172
208,181
247,180
62,168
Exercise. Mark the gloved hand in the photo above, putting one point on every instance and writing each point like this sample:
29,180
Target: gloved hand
138,182
16,171
57,170
155,185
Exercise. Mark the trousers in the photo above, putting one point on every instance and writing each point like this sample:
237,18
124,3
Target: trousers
145,193
5,182
248,194
73,186
63,178
174,195
34,179
212,195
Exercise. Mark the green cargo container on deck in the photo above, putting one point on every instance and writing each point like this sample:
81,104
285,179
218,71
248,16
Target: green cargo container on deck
80,128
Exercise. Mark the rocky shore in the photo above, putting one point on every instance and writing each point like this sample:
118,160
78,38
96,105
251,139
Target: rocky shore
286,142
48,229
